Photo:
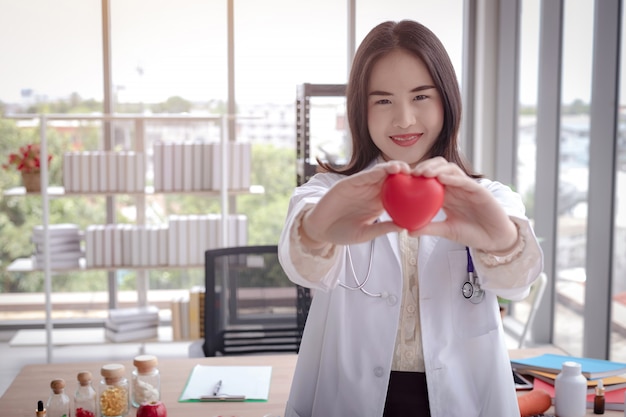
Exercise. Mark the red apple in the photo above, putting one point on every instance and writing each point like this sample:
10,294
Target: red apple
152,409
412,201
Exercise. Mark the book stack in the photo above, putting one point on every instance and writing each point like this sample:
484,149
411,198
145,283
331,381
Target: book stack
545,369
64,245
128,324
188,315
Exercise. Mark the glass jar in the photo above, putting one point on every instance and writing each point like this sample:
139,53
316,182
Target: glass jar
146,380
113,391
58,404
85,397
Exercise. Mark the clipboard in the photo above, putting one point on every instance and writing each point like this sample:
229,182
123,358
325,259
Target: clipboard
238,383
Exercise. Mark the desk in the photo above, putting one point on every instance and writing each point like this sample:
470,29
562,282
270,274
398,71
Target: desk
33,381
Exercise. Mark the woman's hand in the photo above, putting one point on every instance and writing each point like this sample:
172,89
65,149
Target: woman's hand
347,213
473,216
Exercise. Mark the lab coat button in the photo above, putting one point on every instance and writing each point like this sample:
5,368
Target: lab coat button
392,300
410,308
379,371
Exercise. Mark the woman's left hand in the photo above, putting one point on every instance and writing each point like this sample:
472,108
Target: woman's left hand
473,216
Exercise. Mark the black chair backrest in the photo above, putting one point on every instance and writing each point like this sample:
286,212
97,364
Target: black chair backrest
250,304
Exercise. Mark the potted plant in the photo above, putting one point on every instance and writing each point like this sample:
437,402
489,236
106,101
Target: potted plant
28,162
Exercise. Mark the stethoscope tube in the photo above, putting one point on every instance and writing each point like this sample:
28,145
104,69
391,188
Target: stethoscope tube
471,288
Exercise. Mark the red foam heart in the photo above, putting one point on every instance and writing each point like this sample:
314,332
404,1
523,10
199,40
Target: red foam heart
412,201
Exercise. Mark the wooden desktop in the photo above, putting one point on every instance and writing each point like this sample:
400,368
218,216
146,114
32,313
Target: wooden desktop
33,381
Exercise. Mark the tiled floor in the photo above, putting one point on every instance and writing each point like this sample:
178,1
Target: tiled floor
13,358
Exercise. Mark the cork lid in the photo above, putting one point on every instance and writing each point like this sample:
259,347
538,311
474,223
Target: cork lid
84,377
57,385
145,363
113,371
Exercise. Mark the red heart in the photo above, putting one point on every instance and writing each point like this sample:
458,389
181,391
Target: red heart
412,201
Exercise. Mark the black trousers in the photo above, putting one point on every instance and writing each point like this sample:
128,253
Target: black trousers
407,395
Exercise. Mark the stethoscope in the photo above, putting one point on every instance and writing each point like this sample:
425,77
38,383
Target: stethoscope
471,289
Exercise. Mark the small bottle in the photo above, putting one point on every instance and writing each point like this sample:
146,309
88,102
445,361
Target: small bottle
113,391
570,391
41,410
146,380
85,397
598,400
58,404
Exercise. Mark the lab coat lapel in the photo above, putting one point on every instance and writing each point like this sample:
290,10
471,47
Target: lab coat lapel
392,238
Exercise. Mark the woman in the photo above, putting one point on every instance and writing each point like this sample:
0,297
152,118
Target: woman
390,331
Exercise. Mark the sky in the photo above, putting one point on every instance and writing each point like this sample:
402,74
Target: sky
162,48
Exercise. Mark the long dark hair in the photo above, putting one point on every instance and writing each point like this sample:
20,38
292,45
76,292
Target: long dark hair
424,44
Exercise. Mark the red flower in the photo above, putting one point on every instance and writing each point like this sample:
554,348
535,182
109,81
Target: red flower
27,159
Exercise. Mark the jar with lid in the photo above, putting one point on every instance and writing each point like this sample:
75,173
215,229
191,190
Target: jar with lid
58,404
113,391
570,391
85,397
146,380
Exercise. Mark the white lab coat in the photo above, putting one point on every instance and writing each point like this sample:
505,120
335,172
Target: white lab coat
346,353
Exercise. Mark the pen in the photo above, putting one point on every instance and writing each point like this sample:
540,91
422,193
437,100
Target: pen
216,389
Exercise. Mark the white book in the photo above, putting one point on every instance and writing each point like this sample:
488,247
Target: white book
184,317
127,247
214,233
173,238
157,166
168,166
183,240
117,245
131,325
188,148
234,168
144,244
140,172
153,245
126,173
108,245
163,245
99,245
207,168
216,166
245,164
112,171
177,171
242,230
135,244
94,171
140,334
85,172
196,177
103,167
203,240
193,245
58,229
75,162
59,248
90,249
133,314
67,171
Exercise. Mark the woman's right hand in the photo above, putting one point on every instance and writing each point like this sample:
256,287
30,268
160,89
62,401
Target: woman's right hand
347,213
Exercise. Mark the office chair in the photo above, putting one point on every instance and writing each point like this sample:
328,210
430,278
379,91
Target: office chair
250,304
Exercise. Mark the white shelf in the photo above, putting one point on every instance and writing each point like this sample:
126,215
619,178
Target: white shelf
26,265
56,191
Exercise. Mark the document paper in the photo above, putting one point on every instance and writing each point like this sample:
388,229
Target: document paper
251,381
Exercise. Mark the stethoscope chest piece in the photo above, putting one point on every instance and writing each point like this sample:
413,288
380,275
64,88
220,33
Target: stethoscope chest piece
471,288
